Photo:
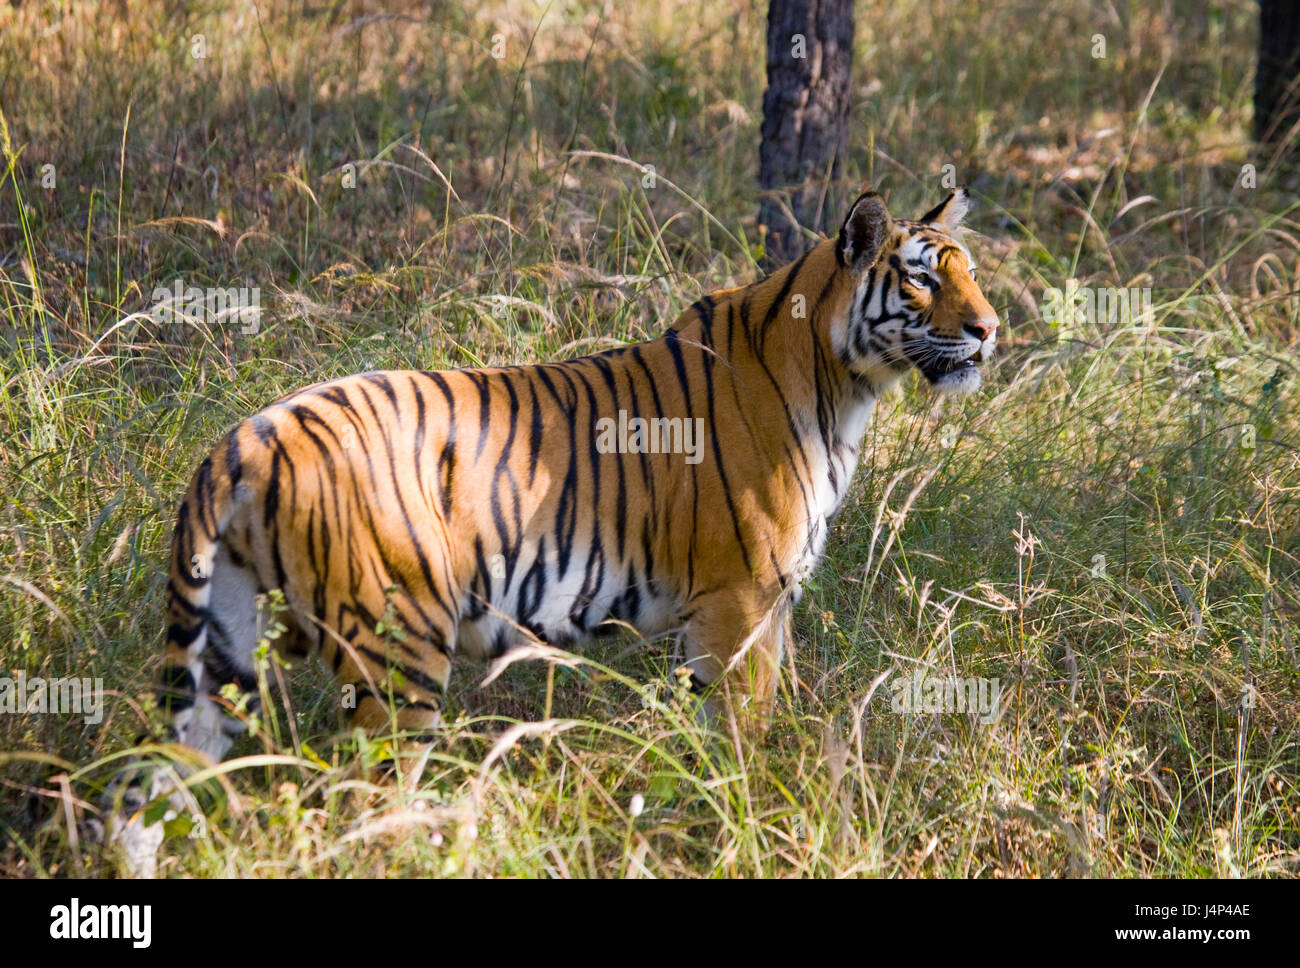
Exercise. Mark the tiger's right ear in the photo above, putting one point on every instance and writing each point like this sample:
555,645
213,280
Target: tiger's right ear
864,233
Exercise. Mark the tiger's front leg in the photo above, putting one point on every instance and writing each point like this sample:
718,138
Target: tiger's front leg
735,643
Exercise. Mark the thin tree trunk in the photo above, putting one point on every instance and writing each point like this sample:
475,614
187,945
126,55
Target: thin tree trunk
1277,77
805,118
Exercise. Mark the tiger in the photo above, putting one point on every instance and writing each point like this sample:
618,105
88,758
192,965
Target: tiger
406,516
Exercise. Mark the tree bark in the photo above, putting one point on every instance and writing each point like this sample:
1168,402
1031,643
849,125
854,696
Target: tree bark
1277,77
805,118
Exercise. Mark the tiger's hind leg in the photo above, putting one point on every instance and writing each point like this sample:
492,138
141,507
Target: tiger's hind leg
392,660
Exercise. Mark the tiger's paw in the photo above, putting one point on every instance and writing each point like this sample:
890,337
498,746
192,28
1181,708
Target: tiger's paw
135,844
130,833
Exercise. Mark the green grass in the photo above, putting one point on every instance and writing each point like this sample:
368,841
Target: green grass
1090,528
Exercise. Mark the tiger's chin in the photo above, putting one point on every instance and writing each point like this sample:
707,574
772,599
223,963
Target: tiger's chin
954,379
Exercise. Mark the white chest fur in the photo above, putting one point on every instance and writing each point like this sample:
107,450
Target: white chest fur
833,471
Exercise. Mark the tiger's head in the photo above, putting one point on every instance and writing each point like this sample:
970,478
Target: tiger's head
917,301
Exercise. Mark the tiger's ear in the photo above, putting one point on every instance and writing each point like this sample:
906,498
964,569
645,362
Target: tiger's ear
864,233
948,214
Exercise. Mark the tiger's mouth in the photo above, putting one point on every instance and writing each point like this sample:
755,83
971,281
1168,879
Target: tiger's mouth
954,376
940,368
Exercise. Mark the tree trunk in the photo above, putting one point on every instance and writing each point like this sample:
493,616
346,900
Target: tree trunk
1277,77
805,118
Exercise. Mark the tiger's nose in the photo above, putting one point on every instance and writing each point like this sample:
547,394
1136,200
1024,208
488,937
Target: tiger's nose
981,328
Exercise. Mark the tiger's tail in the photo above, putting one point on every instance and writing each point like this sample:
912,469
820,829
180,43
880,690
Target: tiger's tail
212,613
213,623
